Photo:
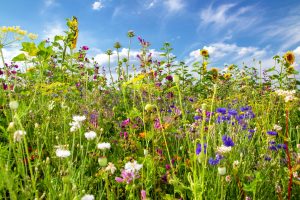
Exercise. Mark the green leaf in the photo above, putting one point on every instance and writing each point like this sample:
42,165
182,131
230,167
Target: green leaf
20,57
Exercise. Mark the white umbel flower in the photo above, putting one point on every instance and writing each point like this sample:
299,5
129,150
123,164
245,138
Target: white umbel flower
277,127
18,135
90,135
88,197
223,149
104,145
78,118
133,166
14,105
111,167
62,153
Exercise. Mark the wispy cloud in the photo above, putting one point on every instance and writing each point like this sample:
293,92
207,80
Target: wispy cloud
97,5
285,30
174,5
223,16
49,3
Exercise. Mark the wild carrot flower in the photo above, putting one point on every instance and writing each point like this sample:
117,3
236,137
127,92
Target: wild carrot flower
111,167
14,105
90,135
104,146
88,197
223,149
18,135
62,153
133,166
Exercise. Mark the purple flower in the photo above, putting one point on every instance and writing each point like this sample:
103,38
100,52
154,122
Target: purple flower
267,158
85,48
199,149
245,108
272,133
281,146
232,112
212,161
227,141
126,177
169,78
168,167
273,148
221,110
143,194
125,123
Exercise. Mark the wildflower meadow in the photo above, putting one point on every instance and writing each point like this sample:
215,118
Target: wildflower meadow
156,129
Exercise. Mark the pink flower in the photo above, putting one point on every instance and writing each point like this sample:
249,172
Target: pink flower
85,48
143,194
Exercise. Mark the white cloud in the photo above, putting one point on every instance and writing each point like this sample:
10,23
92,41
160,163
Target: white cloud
97,5
150,4
223,53
174,5
49,3
53,29
238,18
10,53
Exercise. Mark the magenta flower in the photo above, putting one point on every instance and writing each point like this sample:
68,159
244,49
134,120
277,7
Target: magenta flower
143,194
85,48
127,177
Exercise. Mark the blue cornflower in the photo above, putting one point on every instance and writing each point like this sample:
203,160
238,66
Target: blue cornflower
227,141
283,146
232,112
245,108
251,131
221,110
197,117
273,148
267,158
272,133
199,149
212,161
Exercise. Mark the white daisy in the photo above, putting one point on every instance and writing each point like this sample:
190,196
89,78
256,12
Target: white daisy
90,135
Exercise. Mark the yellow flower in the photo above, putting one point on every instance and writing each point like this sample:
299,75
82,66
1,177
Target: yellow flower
227,76
32,36
231,67
4,29
21,32
290,69
204,53
289,57
73,25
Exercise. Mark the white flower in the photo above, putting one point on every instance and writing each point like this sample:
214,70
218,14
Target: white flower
51,105
235,164
62,153
277,127
74,126
88,197
133,166
18,135
77,118
222,170
145,152
111,167
90,135
223,149
13,105
289,98
11,126
104,145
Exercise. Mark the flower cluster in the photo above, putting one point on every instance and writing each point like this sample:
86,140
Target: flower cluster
76,123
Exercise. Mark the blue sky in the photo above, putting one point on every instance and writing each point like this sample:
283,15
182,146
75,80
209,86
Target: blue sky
232,31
